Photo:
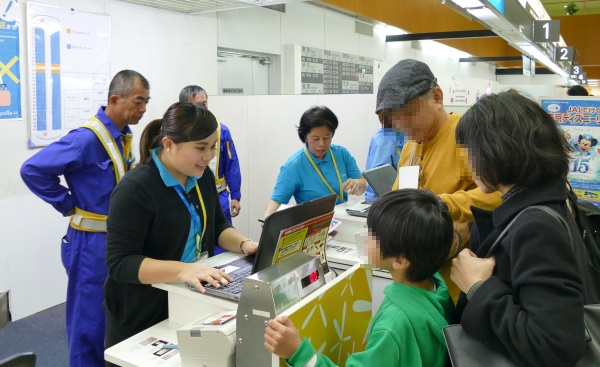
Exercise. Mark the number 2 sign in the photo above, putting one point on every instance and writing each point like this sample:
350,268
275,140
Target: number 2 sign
564,53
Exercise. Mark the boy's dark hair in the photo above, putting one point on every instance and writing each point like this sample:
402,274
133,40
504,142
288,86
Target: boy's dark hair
511,140
316,116
415,224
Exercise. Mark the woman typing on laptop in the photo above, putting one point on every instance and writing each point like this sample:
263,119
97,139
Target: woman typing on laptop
163,216
319,168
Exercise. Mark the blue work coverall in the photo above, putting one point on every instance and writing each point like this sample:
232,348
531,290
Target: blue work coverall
89,174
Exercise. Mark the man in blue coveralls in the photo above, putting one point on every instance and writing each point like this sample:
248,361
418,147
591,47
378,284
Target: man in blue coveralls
92,159
225,165
385,148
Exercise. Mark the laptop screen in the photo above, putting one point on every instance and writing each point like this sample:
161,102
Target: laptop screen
381,179
289,230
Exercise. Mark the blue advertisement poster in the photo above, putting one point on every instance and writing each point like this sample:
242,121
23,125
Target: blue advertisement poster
579,118
10,75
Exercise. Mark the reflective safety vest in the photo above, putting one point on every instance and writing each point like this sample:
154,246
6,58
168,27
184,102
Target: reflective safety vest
92,222
214,164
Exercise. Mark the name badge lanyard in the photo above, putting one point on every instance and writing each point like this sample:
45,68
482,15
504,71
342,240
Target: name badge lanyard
337,171
199,230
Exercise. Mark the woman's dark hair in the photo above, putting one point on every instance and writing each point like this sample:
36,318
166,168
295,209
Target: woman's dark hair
183,122
415,224
511,140
316,116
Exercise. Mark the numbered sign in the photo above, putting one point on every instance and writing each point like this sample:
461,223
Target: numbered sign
575,71
546,31
564,53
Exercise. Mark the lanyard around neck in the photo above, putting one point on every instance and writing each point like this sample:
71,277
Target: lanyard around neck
199,230
337,171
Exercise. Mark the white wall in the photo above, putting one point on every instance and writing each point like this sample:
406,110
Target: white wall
173,50
166,48
268,124
543,79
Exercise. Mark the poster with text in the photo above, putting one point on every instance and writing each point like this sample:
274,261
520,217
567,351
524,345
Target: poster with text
579,118
10,74
68,69
464,91
309,237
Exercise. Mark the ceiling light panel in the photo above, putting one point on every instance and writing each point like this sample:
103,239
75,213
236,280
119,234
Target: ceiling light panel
201,6
468,3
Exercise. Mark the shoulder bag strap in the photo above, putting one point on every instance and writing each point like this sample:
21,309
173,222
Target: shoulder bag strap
503,233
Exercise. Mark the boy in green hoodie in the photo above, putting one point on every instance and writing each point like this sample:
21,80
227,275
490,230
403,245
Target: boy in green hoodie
410,235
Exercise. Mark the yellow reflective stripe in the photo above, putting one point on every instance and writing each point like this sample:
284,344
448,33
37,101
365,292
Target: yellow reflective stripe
110,145
218,179
88,222
229,151
90,215
337,171
222,187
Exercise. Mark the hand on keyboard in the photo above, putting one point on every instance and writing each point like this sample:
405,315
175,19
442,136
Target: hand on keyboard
196,273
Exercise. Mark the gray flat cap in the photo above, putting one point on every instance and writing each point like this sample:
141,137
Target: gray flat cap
403,82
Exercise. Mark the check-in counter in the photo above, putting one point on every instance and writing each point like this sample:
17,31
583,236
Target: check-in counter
188,310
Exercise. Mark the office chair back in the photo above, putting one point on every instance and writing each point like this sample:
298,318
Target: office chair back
19,360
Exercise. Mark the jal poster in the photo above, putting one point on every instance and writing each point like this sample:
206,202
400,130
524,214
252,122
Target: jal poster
579,118
10,75
68,69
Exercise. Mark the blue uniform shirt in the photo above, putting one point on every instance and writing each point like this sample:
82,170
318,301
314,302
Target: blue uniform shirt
229,165
299,179
189,253
82,160
385,148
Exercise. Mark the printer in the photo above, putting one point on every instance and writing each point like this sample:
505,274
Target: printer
209,341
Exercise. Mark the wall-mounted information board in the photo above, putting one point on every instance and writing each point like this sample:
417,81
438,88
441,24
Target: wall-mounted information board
330,72
68,69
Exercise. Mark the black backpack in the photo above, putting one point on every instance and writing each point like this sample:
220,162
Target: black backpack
587,217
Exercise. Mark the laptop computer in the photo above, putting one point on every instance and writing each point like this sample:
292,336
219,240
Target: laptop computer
313,217
381,179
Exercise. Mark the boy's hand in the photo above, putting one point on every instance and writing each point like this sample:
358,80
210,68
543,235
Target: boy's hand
282,337
467,269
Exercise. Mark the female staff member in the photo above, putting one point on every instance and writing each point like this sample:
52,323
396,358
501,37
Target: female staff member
163,215
525,293
319,168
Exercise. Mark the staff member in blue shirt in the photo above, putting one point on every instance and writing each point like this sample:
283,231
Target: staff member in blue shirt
225,165
319,168
163,216
385,148
92,159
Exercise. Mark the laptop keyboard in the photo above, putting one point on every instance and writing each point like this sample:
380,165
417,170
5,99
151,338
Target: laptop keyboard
238,277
